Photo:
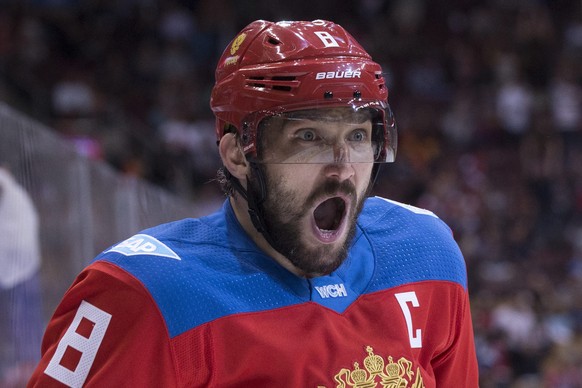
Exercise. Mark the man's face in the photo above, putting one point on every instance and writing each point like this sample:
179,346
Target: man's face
312,205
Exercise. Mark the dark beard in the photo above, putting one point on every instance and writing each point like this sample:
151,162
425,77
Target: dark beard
282,218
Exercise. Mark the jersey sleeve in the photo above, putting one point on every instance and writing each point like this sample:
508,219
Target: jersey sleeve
106,332
457,366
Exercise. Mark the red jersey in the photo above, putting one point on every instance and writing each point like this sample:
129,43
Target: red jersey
195,303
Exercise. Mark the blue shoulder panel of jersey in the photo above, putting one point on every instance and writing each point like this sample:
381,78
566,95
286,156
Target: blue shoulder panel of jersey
198,270
410,245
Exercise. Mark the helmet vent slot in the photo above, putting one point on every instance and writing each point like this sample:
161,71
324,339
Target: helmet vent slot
274,41
282,88
257,84
281,83
283,78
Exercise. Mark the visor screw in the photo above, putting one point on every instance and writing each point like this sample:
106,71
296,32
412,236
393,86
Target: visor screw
327,95
357,94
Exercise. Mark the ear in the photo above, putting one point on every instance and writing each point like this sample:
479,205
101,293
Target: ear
233,157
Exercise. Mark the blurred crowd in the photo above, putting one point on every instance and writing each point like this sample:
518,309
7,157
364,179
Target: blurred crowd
487,96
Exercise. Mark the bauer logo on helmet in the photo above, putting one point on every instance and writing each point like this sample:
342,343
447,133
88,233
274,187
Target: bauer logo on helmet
338,74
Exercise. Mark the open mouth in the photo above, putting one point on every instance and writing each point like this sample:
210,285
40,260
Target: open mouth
329,217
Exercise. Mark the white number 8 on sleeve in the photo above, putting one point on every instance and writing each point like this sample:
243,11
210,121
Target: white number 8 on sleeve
84,342
414,337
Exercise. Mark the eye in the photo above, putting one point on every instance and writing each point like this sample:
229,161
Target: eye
359,135
306,135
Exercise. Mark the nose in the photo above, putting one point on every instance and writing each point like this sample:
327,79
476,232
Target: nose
341,171
341,168
341,153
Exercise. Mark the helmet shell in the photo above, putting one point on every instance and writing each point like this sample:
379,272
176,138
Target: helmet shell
270,68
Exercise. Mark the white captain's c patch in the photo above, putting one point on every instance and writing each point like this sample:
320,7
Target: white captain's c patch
143,244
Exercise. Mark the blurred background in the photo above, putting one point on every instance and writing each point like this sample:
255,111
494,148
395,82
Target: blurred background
105,129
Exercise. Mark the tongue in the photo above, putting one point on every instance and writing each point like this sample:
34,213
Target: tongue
325,215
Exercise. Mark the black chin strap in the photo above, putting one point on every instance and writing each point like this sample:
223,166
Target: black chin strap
375,173
254,200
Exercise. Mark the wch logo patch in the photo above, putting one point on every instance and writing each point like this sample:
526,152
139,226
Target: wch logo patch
332,291
143,244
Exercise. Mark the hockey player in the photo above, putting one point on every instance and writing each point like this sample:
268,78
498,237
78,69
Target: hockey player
301,279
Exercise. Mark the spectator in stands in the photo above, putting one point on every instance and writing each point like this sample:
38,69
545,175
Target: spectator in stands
20,301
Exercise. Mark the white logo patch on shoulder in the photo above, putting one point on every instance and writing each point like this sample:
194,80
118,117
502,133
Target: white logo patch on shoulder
143,244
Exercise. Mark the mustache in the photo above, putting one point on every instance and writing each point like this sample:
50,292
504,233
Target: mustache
332,187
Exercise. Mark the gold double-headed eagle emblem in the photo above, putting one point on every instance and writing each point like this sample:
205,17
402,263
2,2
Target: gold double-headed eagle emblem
377,373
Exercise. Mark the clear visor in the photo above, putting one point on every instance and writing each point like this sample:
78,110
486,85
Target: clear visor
328,135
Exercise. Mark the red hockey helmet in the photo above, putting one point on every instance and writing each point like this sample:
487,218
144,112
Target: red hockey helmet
276,68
